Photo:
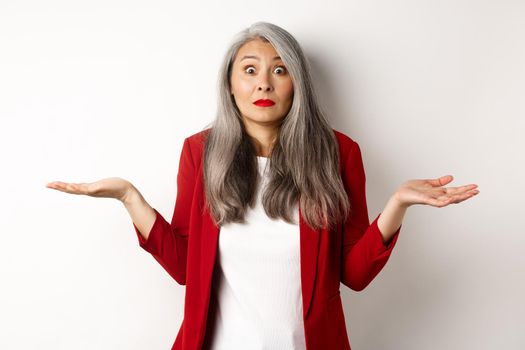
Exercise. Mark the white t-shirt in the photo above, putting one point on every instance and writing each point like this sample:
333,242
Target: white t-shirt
257,284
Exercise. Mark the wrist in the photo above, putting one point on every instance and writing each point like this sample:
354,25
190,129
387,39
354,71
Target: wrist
395,199
131,195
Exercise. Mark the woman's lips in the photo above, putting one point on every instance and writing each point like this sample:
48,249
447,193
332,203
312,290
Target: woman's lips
264,103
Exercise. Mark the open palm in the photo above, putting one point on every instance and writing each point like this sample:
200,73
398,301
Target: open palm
432,192
111,187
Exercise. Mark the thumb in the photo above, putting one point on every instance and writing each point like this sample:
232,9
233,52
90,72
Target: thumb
443,180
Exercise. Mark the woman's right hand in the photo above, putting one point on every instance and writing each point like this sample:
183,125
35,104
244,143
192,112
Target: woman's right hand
111,187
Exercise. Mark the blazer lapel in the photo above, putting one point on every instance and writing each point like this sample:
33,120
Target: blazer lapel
309,242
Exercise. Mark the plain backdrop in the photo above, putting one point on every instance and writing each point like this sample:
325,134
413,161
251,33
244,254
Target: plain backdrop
95,89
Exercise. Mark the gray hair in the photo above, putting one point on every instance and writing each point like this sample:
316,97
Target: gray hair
304,162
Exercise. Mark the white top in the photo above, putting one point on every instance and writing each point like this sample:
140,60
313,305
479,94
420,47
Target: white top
258,283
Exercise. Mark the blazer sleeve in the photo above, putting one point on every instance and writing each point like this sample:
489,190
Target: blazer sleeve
168,242
364,252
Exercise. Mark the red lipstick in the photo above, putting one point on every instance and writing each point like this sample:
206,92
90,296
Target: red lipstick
264,103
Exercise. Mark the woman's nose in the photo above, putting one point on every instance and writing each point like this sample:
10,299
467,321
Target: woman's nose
264,83
265,87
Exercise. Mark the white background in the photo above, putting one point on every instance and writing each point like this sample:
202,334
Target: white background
111,88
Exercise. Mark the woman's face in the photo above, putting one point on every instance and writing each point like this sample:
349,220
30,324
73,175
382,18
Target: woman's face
258,73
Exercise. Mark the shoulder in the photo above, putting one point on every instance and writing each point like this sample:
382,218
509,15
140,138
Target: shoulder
346,143
343,138
198,137
196,142
194,145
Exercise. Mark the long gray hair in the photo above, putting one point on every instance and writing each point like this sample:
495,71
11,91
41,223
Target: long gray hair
304,161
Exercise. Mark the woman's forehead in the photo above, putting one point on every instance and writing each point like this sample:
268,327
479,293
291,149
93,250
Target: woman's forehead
255,49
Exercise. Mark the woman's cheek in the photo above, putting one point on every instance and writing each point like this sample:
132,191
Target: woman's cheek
245,86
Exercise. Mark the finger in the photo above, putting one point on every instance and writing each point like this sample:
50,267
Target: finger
468,195
440,181
66,187
73,188
462,196
78,188
460,189
446,199
54,183
57,185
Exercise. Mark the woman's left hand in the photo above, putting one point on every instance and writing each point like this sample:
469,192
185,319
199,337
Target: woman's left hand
432,192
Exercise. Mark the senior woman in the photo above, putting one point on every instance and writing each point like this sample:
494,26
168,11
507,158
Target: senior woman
270,214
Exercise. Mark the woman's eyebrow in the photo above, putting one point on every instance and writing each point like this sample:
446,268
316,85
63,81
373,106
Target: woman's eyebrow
256,57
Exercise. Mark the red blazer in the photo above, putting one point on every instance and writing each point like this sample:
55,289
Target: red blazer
353,254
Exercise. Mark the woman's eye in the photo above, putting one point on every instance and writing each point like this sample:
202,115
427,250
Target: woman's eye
250,69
